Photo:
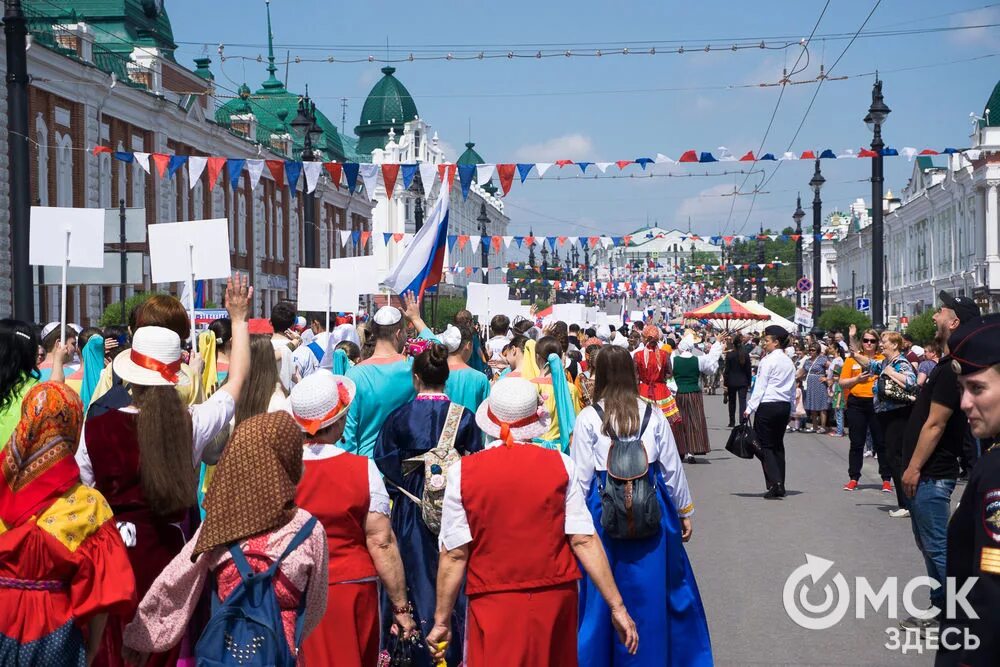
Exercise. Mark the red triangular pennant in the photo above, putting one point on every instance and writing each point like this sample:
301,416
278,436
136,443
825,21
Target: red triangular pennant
389,173
506,174
689,156
748,157
336,170
624,163
102,149
215,165
161,161
529,241
462,240
562,240
277,169
563,163
446,172
364,238
397,237
496,242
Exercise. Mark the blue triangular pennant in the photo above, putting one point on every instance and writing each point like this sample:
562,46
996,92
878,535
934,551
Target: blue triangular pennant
465,174
124,156
385,237
175,163
235,167
523,170
707,157
890,152
351,174
518,240
355,237
584,165
827,155
293,170
643,161
451,242
768,156
409,171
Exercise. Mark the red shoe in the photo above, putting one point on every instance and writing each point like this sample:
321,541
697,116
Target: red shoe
850,486
886,486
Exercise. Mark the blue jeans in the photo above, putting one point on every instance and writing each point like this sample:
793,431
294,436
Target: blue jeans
839,413
930,509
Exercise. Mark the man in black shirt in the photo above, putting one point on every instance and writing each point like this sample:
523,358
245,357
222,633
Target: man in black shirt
932,446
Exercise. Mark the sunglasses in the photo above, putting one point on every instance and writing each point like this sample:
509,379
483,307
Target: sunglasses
869,340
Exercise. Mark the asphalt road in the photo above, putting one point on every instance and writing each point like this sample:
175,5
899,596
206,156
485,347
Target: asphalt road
745,547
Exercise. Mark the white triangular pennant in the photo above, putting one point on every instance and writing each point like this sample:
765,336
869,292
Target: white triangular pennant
846,153
312,170
369,175
603,166
542,167
507,240
143,160
973,153
788,155
196,165
663,159
344,237
255,168
484,172
474,242
909,152
606,242
725,155
572,240
428,174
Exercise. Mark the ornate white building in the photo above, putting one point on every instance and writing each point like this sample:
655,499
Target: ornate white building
654,251
942,234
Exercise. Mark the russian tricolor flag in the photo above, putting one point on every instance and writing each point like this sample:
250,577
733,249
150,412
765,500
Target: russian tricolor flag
421,265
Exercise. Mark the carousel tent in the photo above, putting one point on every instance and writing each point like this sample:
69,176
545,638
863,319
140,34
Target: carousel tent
758,326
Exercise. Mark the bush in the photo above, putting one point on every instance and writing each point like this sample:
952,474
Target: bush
922,327
112,314
780,305
443,313
840,318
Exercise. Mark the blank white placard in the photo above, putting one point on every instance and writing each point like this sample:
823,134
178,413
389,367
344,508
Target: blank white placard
47,238
170,250
325,290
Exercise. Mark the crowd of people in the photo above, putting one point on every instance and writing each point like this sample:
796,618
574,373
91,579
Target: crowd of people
384,494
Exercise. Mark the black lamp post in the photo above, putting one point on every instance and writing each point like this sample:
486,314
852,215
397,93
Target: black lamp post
16,35
586,262
484,221
760,265
305,125
418,207
816,183
877,114
797,217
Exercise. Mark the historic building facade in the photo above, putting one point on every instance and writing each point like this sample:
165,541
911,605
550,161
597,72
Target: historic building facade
108,77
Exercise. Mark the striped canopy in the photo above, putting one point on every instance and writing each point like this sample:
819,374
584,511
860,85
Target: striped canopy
725,308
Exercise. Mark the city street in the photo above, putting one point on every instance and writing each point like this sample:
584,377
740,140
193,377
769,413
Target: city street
745,547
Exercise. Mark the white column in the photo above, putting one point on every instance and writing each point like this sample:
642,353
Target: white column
992,236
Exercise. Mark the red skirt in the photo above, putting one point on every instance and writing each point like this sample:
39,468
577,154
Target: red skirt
348,635
523,628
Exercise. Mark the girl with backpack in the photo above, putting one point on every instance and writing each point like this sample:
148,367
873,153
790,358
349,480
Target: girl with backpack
627,463
263,559
347,494
410,433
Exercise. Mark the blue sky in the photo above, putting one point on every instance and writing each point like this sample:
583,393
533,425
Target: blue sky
623,107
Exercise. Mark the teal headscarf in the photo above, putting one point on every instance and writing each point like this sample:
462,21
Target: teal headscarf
341,362
564,402
93,364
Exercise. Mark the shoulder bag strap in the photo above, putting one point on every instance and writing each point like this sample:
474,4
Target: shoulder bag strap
451,422
240,561
301,536
645,419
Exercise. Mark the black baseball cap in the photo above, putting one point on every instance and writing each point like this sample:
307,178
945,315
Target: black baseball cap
964,307
976,344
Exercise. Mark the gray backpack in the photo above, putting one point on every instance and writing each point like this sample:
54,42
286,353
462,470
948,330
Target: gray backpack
630,509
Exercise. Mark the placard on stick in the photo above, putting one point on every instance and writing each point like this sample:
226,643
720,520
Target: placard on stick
326,290
66,237
189,251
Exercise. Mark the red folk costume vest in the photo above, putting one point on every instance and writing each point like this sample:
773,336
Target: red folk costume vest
335,491
515,500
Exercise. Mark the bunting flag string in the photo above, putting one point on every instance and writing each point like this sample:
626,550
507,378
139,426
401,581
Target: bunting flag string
592,242
289,171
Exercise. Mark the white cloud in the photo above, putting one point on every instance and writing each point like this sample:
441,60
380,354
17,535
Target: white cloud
709,210
566,147
976,36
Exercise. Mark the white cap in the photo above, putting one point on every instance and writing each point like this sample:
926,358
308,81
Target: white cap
451,338
153,360
387,316
320,399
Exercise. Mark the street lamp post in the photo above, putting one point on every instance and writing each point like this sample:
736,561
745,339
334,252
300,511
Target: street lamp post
816,183
797,217
484,241
305,124
760,265
16,36
877,114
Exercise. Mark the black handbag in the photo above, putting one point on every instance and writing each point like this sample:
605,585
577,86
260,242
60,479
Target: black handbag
743,442
400,652
890,390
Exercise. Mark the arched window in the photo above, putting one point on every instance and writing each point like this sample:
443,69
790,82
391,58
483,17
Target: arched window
42,137
64,169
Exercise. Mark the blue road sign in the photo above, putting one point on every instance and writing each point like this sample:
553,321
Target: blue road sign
863,304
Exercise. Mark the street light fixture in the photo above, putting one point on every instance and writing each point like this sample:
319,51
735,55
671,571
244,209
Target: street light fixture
305,126
760,265
484,241
797,217
816,183
878,112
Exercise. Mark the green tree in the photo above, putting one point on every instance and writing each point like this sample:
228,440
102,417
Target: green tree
112,314
922,327
840,318
780,305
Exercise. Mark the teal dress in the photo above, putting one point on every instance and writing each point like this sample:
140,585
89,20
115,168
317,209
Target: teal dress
467,387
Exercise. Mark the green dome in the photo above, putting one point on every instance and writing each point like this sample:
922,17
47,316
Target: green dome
470,156
993,104
388,106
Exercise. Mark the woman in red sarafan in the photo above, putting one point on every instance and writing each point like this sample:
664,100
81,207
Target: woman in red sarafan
653,367
63,565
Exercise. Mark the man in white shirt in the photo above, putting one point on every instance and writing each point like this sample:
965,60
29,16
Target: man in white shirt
771,404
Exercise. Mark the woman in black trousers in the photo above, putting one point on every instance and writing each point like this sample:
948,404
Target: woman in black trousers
771,403
736,374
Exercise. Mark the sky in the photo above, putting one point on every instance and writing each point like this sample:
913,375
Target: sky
628,106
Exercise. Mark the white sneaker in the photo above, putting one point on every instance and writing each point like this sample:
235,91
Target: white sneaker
899,513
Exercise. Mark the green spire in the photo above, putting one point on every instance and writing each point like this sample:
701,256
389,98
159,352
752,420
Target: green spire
272,81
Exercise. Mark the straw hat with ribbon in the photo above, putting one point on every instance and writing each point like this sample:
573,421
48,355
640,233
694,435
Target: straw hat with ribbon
154,359
321,399
512,413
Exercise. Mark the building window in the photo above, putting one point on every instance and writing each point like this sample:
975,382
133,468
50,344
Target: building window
42,136
64,169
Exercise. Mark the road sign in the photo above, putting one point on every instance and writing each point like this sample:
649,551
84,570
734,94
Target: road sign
804,318
804,285
863,304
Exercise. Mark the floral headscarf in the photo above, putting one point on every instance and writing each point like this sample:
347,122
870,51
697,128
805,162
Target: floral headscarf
38,463
253,489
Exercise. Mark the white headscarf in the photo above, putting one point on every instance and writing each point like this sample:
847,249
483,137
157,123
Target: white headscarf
451,338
